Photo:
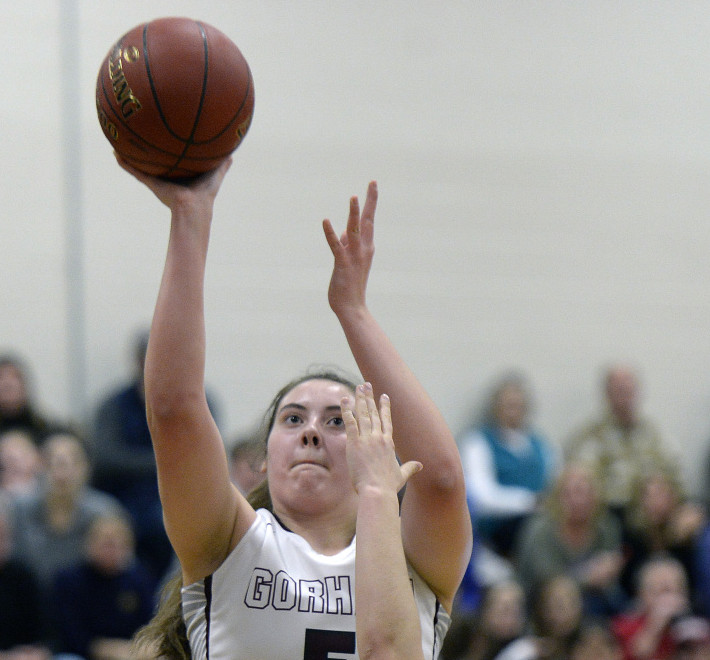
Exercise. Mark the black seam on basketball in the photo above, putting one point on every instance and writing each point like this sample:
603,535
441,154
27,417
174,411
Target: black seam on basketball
109,109
201,104
230,123
117,116
167,167
154,91
134,160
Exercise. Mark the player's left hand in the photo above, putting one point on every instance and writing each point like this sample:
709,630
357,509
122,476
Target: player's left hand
370,448
353,253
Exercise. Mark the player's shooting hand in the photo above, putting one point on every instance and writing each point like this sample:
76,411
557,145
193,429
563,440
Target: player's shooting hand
198,192
370,448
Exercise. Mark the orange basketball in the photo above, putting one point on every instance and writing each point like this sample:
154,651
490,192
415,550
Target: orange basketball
174,97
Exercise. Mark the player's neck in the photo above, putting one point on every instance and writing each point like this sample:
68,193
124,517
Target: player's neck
326,534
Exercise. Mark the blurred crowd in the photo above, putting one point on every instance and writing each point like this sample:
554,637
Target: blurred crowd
83,548
588,548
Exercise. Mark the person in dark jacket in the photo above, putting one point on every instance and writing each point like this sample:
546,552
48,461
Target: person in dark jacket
104,598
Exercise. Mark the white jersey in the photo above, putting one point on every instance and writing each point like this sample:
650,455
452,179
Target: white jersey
275,598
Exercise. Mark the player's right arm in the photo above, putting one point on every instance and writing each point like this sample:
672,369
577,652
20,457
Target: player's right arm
204,513
436,521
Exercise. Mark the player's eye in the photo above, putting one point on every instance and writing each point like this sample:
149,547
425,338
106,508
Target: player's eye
336,421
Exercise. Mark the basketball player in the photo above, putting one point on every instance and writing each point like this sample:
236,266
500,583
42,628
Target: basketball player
279,582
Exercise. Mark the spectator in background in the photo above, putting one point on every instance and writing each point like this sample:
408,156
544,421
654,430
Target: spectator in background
574,535
124,463
691,637
18,409
622,444
497,628
106,596
701,586
507,463
662,600
246,463
557,616
246,470
595,641
702,556
660,519
52,522
20,463
23,629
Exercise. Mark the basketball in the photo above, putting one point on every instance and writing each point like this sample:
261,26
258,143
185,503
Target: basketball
174,97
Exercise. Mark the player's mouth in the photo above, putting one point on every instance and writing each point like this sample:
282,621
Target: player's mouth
308,463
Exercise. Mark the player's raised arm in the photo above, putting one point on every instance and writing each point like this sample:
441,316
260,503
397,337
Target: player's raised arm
436,524
201,507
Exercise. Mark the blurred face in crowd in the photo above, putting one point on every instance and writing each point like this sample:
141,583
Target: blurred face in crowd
663,582
561,607
13,393
511,407
246,466
246,474
658,499
20,462
596,643
578,494
110,544
622,395
504,614
67,465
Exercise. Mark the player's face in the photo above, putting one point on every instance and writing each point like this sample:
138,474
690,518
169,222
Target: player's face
305,454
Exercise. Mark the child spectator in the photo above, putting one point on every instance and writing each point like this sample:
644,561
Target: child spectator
495,627
645,631
557,616
595,641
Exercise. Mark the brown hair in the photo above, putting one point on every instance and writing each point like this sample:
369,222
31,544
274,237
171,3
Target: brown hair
553,499
166,632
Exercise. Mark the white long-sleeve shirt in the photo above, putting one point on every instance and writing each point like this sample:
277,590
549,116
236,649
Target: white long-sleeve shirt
490,497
